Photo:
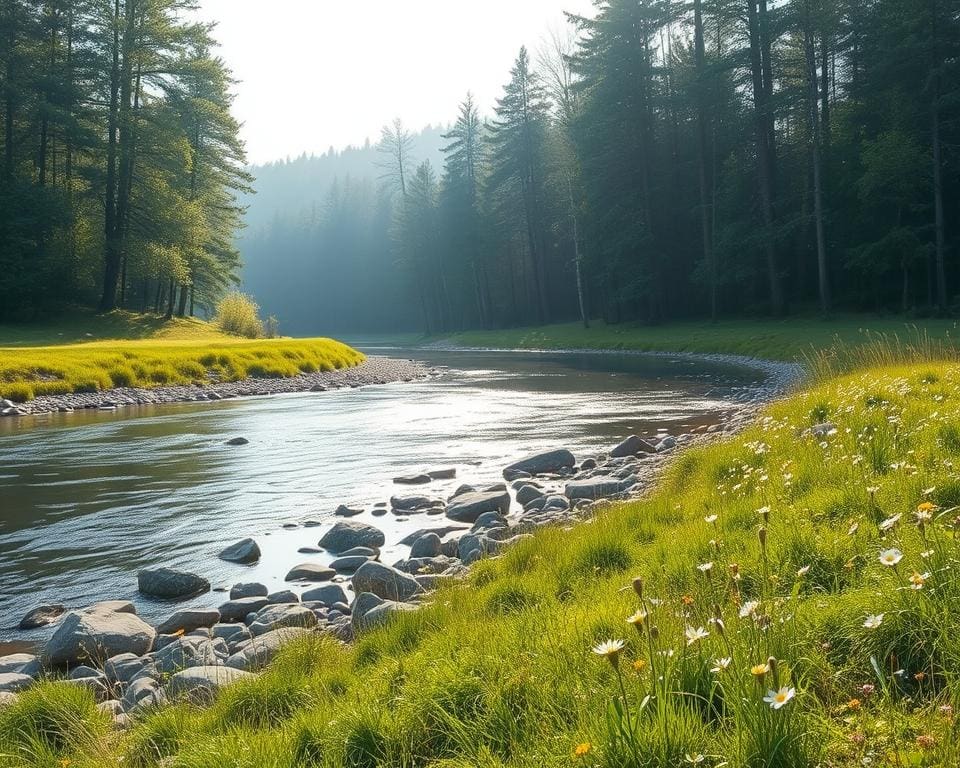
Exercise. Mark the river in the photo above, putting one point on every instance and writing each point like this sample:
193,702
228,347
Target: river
87,499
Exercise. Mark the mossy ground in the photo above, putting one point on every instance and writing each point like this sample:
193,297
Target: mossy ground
499,671
124,350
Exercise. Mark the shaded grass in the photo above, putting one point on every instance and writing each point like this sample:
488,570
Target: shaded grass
498,671
795,338
31,372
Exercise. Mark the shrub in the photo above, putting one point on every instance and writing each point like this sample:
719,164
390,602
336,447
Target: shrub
238,314
18,392
52,388
122,376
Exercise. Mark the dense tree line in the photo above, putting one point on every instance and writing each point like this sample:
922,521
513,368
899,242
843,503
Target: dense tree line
120,164
688,158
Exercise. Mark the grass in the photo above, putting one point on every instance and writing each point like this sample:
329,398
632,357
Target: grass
791,339
769,542
149,352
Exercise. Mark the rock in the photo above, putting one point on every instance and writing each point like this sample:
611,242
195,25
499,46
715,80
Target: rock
170,583
385,582
201,684
14,682
361,552
550,461
97,633
598,487
468,507
411,503
189,620
329,594
187,652
252,589
440,531
427,545
527,493
96,684
142,693
124,667
237,441
111,707
462,490
348,564
312,523
20,663
279,616
237,610
349,533
283,596
631,447
366,601
826,429
412,479
84,671
666,443
42,616
344,511
489,520
379,615
310,572
260,651
7,699
246,551
309,550
442,474
556,502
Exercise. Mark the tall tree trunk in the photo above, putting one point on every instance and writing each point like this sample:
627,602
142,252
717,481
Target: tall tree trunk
822,272
765,164
577,256
182,305
937,165
108,300
824,88
171,299
702,152
9,100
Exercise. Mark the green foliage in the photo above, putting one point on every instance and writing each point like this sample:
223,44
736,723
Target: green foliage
237,314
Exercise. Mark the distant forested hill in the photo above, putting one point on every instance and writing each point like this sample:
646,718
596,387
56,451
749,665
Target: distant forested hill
316,247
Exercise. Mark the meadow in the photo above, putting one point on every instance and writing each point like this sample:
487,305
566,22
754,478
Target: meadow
98,353
785,597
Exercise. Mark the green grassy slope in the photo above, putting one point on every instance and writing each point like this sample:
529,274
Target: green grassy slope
765,545
788,339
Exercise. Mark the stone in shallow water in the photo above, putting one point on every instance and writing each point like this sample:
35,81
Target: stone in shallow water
170,583
251,589
42,616
310,572
189,620
538,464
237,441
347,534
246,551
631,447
97,633
467,507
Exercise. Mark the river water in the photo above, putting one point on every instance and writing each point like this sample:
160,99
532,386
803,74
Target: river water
87,499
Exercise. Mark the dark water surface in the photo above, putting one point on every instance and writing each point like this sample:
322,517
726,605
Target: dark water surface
87,499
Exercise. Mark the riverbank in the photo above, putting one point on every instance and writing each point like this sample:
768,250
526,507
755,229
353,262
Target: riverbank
810,555
372,370
794,339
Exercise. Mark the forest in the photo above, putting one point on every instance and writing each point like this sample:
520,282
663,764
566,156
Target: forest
659,160
121,163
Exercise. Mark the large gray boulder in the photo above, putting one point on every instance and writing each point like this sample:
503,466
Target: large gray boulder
252,589
280,616
187,652
631,447
541,463
347,534
440,531
260,651
20,663
411,503
189,620
237,610
468,507
328,594
42,616
14,682
201,684
598,487
246,551
97,633
428,545
379,615
311,572
385,582
170,583
143,693
527,493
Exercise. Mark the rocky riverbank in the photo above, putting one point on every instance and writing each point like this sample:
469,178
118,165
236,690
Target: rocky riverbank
374,370
342,588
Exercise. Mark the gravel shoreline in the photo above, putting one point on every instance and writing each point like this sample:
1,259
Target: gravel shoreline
374,370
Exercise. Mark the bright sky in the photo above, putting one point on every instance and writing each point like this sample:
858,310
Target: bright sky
321,73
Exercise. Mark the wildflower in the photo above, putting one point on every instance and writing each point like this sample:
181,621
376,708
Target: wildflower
581,750
686,600
926,506
873,621
695,759
764,512
760,670
695,635
705,567
887,524
780,698
920,676
917,580
638,619
857,737
610,649
710,519
867,689
639,665
853,704
735,571
853,529
872,489
638,586
801,572
891,557
721,665
749,608
925,741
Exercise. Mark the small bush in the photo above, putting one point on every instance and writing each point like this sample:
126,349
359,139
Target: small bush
238,314
17,392
122,376
52,388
